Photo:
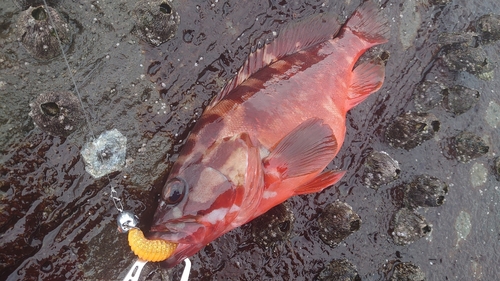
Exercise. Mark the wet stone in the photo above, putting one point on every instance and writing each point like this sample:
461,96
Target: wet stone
488,26
408,226
466,146
380,169
37,35
470,59
462,226
106,154
407,271
337,221
478,174
339,270
492,116
274,226
459,99
156,21
57,113
427,95
411,129
425,191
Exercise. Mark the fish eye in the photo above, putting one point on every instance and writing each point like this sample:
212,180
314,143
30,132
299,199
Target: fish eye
174,191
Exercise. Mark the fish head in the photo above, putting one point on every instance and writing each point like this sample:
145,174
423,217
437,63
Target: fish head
203,196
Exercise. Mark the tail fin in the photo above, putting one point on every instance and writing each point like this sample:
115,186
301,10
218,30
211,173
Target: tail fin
369,22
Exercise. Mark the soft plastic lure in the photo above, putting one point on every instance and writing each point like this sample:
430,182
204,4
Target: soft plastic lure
149,250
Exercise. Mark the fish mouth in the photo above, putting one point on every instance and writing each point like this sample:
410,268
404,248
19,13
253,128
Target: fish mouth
183,250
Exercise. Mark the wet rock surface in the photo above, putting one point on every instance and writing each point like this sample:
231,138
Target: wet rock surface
38,35
466,146
57,113
407,226
337,222
411,129
459,99
273,227
58,222
339,270
380,169
156,21
407,271
425,191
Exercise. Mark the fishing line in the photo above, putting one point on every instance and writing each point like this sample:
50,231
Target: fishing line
134,273
114,197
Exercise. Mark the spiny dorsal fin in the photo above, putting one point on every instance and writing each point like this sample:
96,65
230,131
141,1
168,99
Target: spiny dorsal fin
293,38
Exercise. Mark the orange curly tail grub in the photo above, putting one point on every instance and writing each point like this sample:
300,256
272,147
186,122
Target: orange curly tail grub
149,250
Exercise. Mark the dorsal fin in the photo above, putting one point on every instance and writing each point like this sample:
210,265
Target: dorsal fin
293,38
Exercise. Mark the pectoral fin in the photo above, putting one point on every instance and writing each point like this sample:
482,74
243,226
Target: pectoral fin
306,149
321,182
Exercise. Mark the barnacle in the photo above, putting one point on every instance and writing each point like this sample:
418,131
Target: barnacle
37,33
149,250
156,21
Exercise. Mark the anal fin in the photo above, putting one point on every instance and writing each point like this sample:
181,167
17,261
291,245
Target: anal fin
321,182
306,149
367,78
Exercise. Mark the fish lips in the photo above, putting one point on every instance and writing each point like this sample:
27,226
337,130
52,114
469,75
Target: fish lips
187,245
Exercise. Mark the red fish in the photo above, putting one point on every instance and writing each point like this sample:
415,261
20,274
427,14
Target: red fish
270,133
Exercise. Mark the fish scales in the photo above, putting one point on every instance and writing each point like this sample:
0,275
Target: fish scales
271,131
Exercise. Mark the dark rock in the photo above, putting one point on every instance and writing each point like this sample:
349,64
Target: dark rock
339,270
337,221
427,95
380,169
156,21
466,146
425,191
408,226
407,271
488,26
458,99
37,35
411,129
57,113
274,226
